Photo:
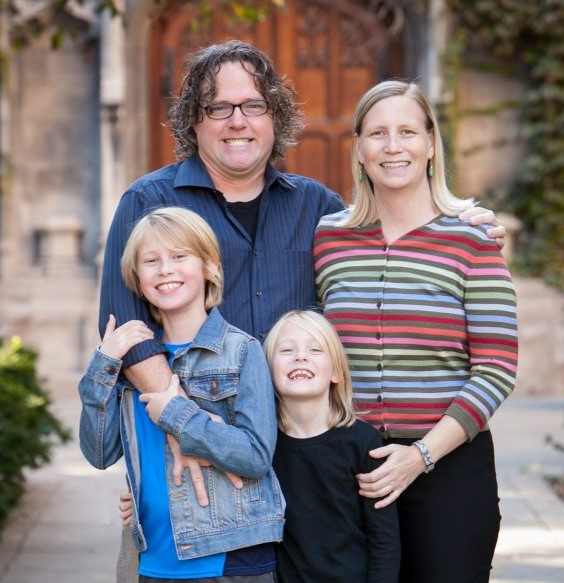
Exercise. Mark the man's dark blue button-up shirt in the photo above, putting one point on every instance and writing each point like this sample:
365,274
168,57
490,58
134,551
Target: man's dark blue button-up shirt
263,278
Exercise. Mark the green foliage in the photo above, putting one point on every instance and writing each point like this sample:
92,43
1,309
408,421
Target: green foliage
528,36
58,19
28,430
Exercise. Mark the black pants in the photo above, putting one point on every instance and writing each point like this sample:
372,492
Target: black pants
449,518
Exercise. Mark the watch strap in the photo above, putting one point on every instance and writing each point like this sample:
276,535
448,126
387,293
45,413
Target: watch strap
426,454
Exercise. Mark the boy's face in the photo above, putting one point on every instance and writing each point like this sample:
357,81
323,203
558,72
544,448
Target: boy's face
171,280
301,365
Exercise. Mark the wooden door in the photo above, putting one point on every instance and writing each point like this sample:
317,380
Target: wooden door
330,50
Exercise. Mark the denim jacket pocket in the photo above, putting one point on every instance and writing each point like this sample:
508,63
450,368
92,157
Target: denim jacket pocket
215,393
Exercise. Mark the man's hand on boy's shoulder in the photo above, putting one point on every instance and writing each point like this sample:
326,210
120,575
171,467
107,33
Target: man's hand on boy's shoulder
478,215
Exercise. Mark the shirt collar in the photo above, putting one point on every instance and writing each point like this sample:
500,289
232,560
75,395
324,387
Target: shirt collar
193,173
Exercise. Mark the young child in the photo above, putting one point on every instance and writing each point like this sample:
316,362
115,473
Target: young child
332,534
223,413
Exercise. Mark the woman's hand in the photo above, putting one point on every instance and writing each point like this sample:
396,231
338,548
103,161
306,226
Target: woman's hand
118,341
405,463
402,466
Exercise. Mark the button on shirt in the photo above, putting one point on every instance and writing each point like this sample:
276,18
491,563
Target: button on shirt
263,278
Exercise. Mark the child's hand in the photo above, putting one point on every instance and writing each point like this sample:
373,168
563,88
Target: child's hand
118,341
156,402
125,508
194,465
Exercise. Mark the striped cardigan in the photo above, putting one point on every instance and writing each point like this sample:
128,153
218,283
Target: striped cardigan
429,323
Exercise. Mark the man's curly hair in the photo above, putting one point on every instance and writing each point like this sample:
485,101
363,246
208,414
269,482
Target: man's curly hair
198,88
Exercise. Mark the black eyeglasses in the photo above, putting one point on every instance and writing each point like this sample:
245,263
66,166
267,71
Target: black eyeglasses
224,109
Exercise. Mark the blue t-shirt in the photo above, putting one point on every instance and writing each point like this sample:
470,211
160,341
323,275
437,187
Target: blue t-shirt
160,559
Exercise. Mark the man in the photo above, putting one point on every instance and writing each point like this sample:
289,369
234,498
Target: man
234,117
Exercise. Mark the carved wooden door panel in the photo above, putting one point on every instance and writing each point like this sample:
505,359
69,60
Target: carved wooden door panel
330,50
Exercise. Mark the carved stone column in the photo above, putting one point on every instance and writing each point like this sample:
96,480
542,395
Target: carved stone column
437,34
112,99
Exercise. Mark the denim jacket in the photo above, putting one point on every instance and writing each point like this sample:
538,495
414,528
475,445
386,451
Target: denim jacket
223,371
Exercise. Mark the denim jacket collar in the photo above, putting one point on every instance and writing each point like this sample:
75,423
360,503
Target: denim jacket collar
212,334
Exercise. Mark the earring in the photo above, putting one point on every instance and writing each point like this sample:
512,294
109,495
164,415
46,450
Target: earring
361,173
430,168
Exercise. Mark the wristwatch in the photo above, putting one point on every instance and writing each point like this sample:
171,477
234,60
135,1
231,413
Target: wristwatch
427,457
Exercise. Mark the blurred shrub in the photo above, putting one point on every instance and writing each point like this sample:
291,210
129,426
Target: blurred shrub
28,430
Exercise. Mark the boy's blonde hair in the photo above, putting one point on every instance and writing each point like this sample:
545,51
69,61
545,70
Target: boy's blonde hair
179,229
342,412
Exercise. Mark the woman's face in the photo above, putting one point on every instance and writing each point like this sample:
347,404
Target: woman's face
394,145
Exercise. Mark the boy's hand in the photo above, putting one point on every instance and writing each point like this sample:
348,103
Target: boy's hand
125,508
156,402
118,341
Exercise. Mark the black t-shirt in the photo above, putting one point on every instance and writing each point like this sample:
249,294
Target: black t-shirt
332,534
247,214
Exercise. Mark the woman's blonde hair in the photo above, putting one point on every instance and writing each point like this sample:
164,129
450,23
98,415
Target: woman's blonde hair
365,211
342,413
179,229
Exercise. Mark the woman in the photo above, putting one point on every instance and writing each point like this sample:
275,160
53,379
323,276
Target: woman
425,307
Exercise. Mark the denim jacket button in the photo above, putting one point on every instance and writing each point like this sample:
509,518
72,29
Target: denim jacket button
110,369
214,389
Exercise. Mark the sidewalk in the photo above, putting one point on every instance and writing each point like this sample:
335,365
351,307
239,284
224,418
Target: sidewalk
67,528
531,543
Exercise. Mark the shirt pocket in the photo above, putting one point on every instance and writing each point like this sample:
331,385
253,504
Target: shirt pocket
215,393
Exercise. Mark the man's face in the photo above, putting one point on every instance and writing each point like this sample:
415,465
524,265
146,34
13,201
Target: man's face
239,146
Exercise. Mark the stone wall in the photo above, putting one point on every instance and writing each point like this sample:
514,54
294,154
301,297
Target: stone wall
488,145
488,150
50,205
540,312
